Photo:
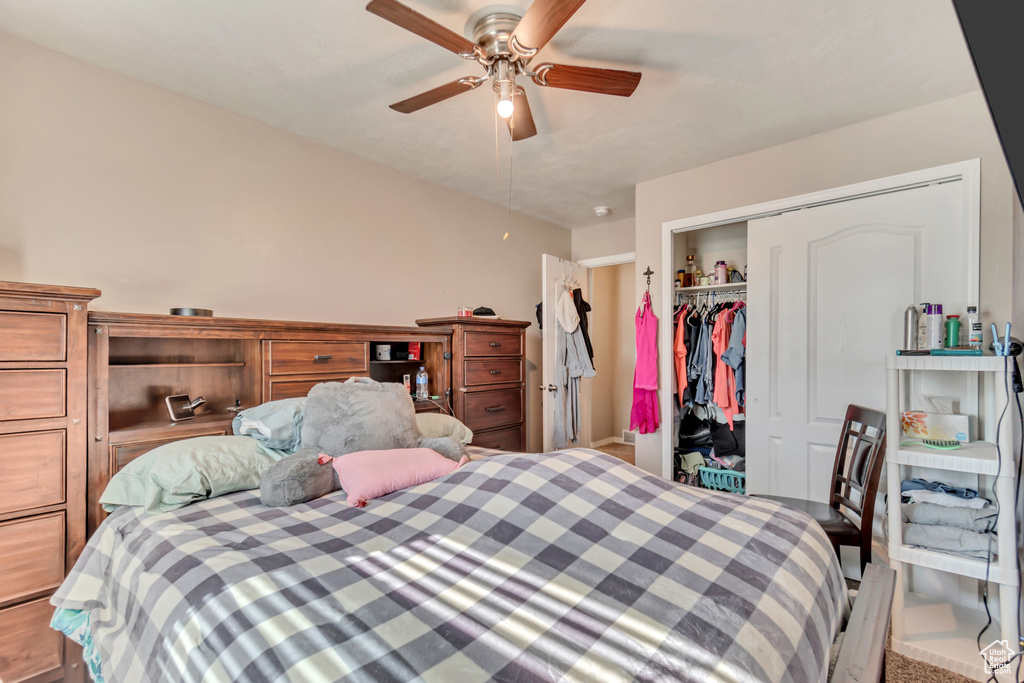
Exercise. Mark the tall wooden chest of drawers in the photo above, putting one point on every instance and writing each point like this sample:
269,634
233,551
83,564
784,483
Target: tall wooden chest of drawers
43,340
489,378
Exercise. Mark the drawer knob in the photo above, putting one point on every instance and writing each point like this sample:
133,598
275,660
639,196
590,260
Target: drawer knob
322,357
495,344
495,372
494,409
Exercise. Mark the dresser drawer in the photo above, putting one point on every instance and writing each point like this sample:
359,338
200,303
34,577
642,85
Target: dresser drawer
31,470
33,336
309,358
493,343
481,372
295,388
29,646
30,394
486,409
33,556
509,439
123,453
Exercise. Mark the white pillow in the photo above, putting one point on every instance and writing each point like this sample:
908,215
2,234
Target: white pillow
436,425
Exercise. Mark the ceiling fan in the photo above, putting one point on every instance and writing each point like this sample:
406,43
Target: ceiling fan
504,43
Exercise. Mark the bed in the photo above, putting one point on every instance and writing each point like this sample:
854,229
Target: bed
519,567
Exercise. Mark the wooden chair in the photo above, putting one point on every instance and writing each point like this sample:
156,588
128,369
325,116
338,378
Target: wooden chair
858,466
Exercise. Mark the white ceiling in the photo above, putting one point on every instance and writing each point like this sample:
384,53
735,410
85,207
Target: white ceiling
720,78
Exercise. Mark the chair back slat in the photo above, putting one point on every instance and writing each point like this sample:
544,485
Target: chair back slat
859,458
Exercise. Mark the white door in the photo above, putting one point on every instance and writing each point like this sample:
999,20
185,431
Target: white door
555,272
828,286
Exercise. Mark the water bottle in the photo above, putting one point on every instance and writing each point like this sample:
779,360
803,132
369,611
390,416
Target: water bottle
973,325
421,383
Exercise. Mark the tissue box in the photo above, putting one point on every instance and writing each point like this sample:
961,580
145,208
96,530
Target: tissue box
945,426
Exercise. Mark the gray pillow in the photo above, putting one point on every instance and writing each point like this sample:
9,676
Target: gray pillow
176,474
276,424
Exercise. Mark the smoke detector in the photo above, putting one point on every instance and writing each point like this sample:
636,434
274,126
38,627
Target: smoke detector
601,211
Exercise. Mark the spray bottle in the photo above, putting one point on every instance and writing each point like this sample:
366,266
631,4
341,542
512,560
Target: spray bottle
910,328
922,328
934,320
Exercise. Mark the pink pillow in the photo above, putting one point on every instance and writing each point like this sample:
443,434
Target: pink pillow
369,474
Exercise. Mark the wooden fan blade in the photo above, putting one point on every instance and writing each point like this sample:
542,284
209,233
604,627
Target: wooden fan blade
425,99
588,79
541,22
521,124
411,20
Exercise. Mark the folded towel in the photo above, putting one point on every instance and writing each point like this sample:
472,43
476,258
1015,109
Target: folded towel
964,518
944,499
919,484
948,539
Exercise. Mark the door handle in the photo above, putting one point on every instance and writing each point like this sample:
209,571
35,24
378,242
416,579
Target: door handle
552,388
324,357
494,409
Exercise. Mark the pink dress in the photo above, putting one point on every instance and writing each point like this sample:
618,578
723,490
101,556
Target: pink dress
644,414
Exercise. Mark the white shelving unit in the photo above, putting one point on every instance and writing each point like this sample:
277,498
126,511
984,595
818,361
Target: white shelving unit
931,628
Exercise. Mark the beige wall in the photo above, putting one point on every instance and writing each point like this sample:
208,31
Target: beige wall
160,200
612,333
944,132
604,239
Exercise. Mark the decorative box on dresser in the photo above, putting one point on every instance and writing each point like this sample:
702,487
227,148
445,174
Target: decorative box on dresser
489,378
42,471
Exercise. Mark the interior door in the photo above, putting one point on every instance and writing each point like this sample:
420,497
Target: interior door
555,271
828,286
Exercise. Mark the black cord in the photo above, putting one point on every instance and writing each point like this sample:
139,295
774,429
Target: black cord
988,559
1016,502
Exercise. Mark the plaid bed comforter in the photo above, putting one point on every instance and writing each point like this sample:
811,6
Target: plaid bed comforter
564,566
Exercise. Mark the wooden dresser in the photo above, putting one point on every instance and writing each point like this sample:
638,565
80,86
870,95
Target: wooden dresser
136,360
489,378
42,471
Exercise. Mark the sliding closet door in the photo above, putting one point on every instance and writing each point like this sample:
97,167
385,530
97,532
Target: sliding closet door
828,286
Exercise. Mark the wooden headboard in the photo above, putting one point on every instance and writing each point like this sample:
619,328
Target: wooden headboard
137,360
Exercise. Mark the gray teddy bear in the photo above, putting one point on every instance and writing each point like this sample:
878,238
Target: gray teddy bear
360,414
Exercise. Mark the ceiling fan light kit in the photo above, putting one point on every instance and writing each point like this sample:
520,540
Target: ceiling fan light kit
503,44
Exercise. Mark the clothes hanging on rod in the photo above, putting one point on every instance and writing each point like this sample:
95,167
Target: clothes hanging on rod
583,309
572,363
644,413
710,351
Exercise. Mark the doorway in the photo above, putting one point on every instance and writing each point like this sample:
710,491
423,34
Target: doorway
610,392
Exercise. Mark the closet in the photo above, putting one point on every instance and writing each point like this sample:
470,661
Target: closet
708,356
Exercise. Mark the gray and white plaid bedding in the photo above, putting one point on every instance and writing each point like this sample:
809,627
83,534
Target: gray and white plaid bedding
565,566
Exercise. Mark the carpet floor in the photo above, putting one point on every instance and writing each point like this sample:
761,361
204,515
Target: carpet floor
623,451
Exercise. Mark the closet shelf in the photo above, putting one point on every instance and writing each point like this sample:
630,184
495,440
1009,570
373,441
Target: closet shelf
727,287
978,457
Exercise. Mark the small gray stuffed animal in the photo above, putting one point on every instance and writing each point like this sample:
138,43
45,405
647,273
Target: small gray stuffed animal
358,415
